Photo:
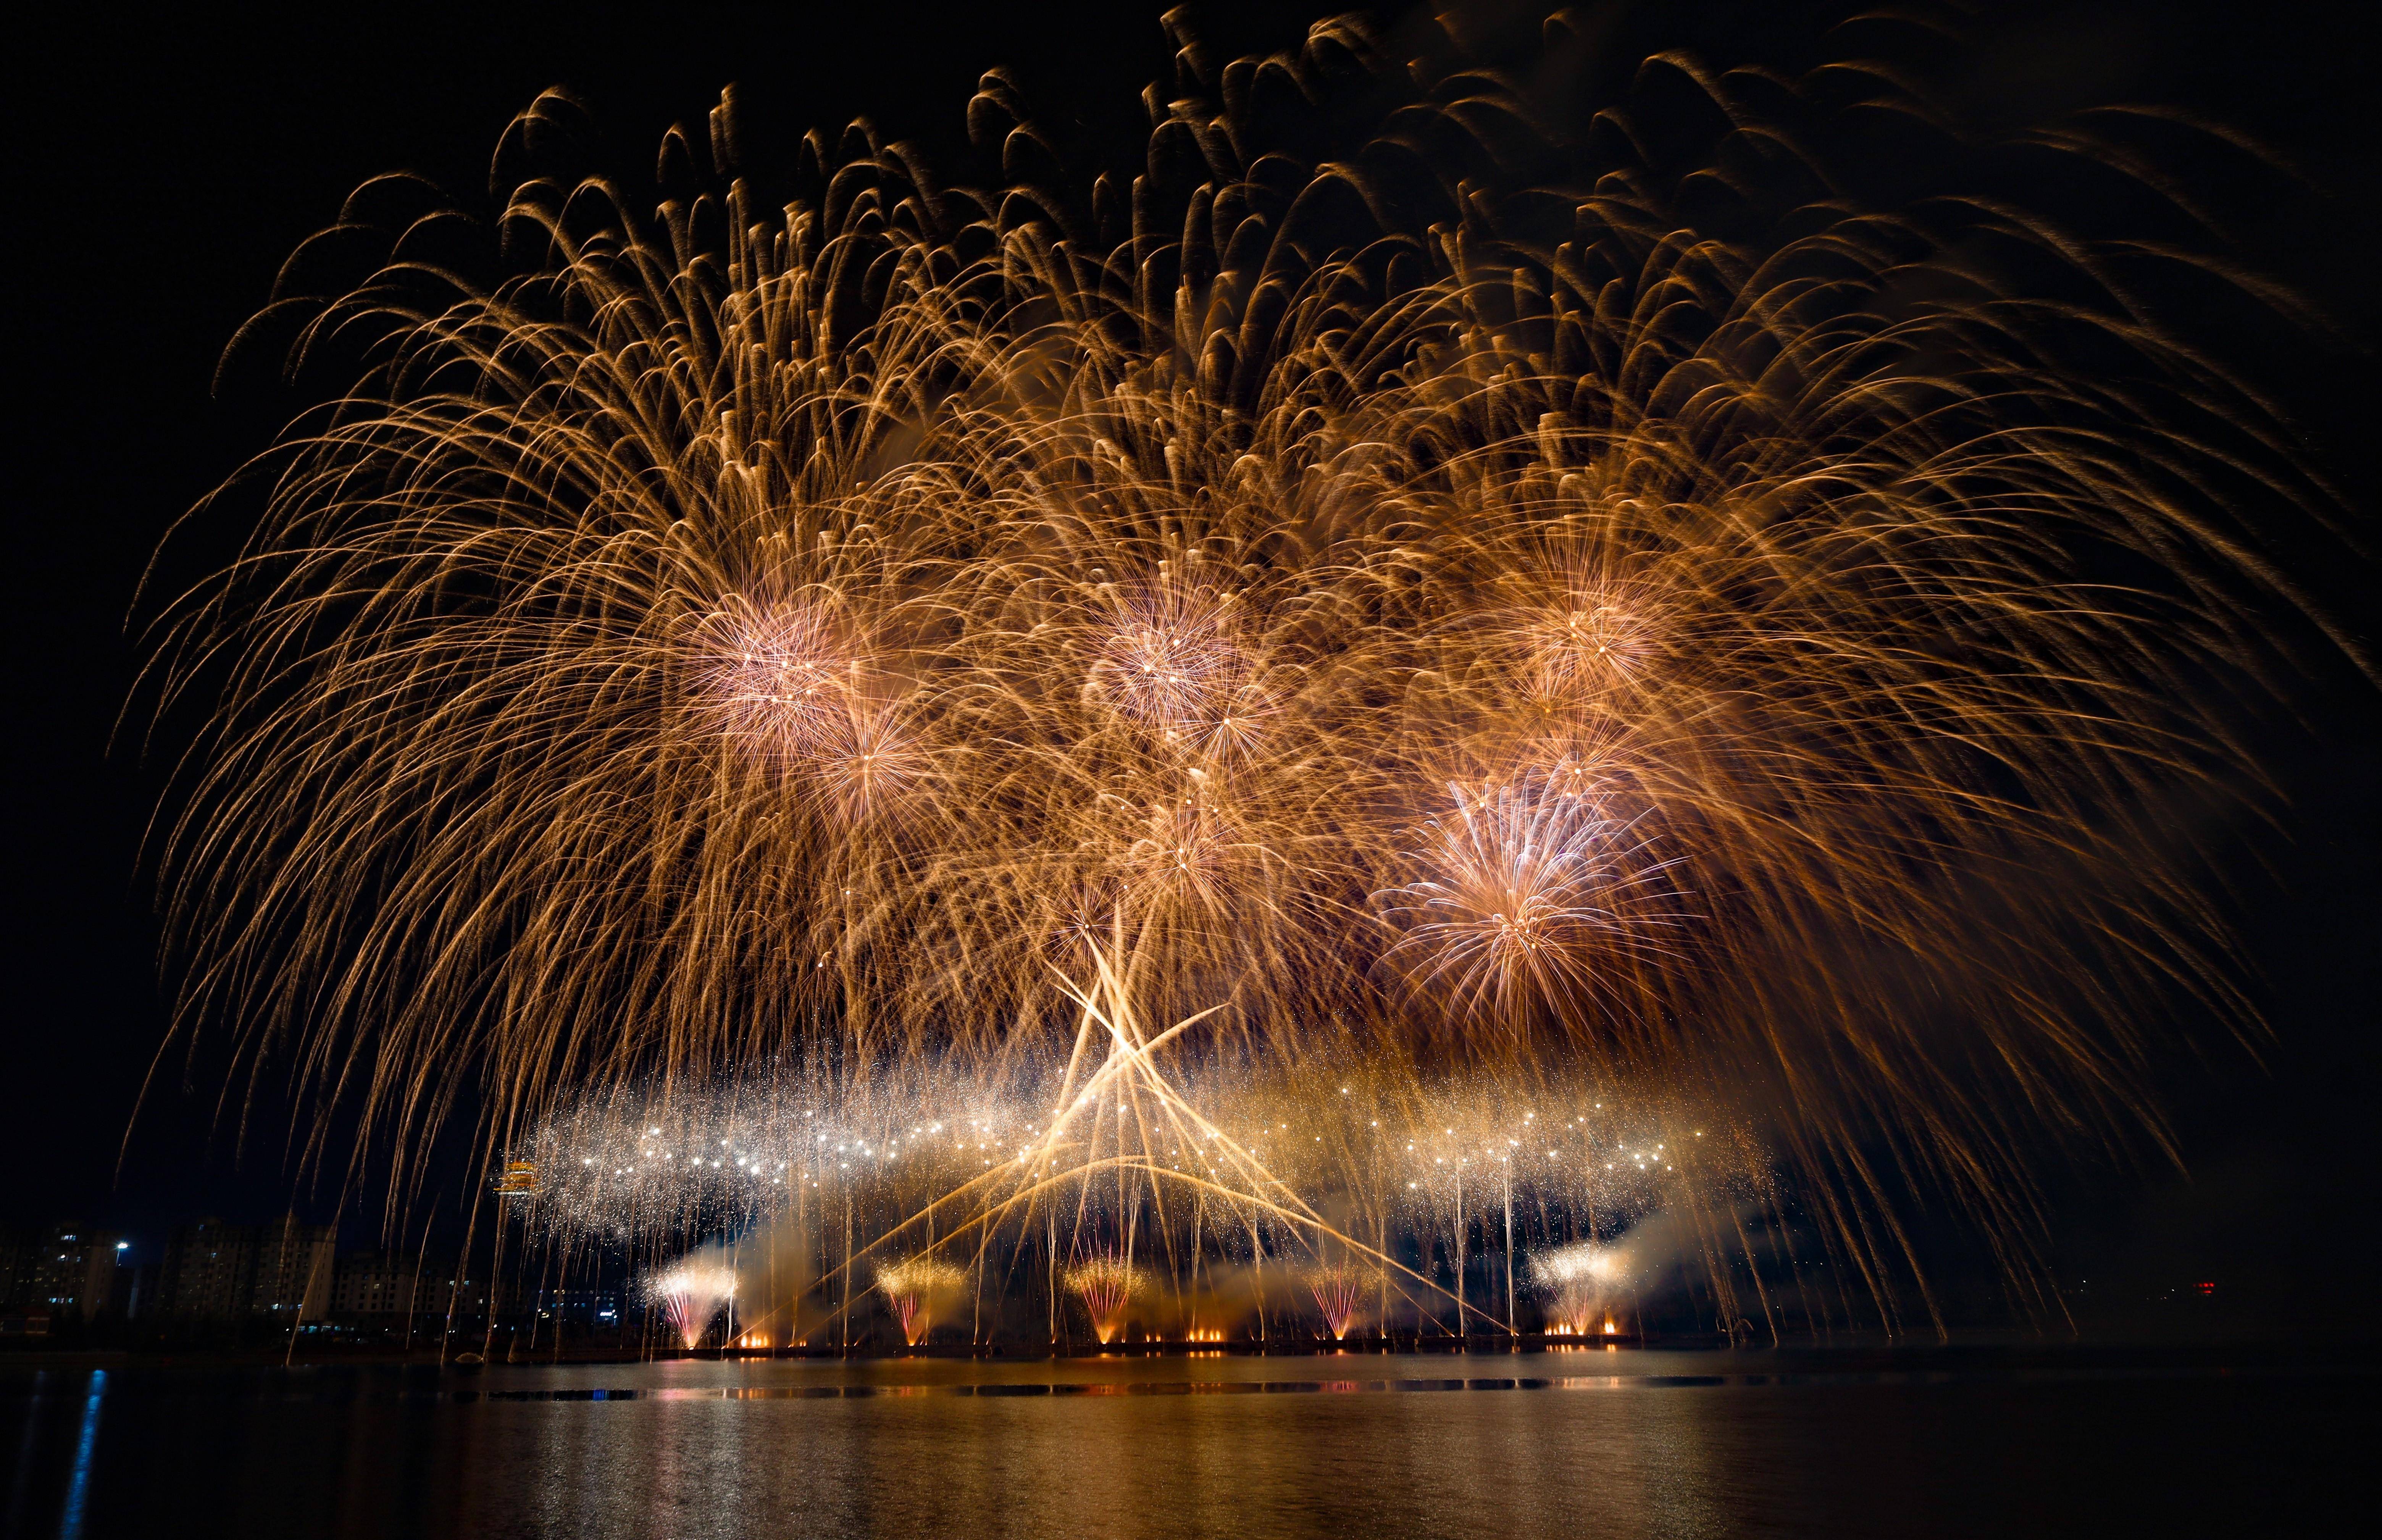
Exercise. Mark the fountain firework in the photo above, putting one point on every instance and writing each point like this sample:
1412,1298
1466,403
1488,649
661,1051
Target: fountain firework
1106,1283
915,1288
1581,1279
1339,1292
690,1294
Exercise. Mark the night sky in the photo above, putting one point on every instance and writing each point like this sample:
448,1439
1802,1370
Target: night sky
163,170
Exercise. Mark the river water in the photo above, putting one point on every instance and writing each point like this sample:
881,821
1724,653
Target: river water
1586,1443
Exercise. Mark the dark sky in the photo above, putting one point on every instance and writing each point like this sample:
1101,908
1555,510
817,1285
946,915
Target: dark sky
164,169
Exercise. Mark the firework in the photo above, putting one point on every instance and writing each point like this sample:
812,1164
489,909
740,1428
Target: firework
1581,1279
1106,1283
1399,613
914,1288
690,1295
1339,1293
1413,1207
1531,893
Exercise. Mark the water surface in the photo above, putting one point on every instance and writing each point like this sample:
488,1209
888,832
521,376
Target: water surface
1602,1444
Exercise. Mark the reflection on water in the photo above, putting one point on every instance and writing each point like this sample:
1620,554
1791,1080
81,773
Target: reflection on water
1594,1444
86,1445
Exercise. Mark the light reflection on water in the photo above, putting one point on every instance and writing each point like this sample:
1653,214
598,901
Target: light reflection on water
1637,1444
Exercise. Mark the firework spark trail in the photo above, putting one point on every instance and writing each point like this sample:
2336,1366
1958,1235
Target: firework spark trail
1420,615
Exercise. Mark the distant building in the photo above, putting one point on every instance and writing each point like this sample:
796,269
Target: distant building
15,1265
70,1271
388,1283
598,1308
218,1272
140,1301
209,1272
294,1264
